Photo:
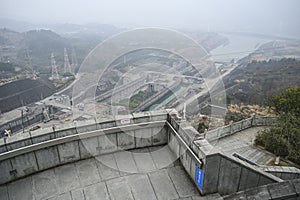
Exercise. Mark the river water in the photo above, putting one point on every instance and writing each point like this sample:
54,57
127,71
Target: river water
239,46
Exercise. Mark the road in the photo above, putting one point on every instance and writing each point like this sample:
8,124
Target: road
207,85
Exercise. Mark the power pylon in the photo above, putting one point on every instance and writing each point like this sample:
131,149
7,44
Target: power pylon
74,60
54,68
67,66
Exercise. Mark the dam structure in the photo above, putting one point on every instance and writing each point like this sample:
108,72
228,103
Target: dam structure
147,155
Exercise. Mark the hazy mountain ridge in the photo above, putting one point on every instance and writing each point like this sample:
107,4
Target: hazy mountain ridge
255,82
36,45
23,41
275,50
60,28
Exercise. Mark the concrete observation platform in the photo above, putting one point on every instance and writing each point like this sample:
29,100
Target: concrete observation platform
150,155
147,173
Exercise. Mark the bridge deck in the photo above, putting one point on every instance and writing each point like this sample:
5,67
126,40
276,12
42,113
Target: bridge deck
148,173
242,144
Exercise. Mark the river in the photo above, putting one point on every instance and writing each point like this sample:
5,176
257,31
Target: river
239,46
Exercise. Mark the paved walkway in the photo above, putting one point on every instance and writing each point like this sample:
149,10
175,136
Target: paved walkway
140,174
242,143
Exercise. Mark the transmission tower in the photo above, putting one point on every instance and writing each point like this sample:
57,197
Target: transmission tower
54,68
67,66
74,60
29,65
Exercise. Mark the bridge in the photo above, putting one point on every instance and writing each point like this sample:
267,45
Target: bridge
150,155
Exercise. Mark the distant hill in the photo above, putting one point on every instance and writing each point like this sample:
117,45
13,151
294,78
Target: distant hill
18,26
275,50
20,40
102,30
38,44
255,82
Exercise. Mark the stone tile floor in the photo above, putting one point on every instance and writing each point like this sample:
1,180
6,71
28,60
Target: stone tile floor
148,173
242,143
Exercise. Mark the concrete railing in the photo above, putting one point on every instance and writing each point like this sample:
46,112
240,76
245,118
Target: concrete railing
285,173
41,135
222,174
69,145
283,190
237,127
180,147
51,153
226,174
72,144
211,171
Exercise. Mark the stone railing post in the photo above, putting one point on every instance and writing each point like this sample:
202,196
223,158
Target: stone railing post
252,119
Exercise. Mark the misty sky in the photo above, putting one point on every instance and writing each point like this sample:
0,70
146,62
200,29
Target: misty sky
279,17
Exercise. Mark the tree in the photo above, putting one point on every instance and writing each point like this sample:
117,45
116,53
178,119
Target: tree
287,102
202,126
283,137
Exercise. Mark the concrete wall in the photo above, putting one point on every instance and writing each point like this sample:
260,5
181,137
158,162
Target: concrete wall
238,126
40,135
222,174
285,173
227,175
180,140
69,145
289,190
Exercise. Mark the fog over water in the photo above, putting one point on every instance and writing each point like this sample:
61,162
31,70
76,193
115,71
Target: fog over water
272,17
232,50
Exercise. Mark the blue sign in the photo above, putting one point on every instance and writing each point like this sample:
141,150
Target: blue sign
199,177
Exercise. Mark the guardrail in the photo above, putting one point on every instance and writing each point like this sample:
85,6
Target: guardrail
210,170
216,173
33,158
237,127
34,137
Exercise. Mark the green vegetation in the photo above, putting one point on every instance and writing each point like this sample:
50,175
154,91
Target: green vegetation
283,138
202,126
138,98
